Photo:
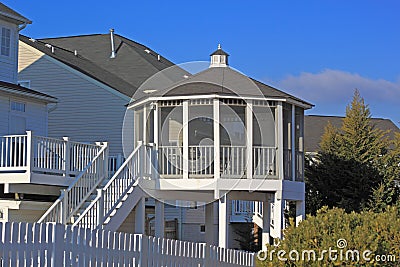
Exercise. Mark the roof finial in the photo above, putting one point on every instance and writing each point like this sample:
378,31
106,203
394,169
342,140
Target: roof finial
219,46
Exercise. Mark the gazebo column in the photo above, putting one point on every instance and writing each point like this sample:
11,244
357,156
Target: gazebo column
159,217
210,237
217,157
279,140
185,139
249,140
293,142
223,221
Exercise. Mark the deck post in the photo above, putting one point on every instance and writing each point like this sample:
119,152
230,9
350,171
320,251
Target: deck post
159,217
64,206
223,219
249,139
29,152
209,220
300,211
140,216
100,210
67,157
278,214
265,238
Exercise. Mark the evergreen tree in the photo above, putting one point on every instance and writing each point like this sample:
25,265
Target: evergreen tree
349,166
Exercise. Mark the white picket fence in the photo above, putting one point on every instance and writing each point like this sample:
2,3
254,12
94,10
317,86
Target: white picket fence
51,244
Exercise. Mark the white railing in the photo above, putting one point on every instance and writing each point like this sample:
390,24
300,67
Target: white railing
201,160
77,193
170,160
39,244
233,161
246,209
114,162
13,149
111,195
29,153
264,162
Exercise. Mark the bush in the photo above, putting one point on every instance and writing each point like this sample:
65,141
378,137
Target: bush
347,233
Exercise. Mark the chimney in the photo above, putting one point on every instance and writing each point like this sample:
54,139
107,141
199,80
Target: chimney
112,44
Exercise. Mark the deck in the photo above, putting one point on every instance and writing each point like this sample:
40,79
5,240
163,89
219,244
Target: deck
43,160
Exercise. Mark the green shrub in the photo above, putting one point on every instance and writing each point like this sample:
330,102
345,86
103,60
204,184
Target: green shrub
378,233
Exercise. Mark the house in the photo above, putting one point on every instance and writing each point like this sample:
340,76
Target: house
94,77
33,167
210,138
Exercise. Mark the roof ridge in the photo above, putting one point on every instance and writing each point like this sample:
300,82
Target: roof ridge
80,57
341,117
72,36
127,41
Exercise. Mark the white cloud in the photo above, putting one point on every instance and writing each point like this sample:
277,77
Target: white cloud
331,86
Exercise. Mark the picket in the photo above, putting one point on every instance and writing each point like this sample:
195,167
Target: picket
51,244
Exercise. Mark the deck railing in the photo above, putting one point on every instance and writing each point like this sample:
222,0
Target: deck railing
112,194
77,193
232,161
29,153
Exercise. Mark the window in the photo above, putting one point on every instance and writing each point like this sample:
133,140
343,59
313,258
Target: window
5,41
18,106
202,228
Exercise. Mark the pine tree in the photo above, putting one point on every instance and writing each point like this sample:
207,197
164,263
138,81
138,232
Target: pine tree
349,166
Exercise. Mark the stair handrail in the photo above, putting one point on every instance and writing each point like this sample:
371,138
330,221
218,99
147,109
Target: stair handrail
99,203
62,210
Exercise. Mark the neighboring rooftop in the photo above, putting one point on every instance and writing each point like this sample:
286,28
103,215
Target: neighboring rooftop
90,54
314,128
11,14
22,91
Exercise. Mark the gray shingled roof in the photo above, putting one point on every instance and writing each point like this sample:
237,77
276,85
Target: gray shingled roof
314,127
17,89
133,64
222,80
12,14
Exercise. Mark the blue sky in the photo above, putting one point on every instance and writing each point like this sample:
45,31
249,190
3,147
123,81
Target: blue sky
317,50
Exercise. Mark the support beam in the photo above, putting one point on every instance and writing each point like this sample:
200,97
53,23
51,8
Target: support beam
210,237
265,238
249,139
185,137
159,217
278,214
300,211
293,142
217,168
223,219
140,216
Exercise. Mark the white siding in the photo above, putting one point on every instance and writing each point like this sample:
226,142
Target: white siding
8,64
85,112
35,114
4,108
